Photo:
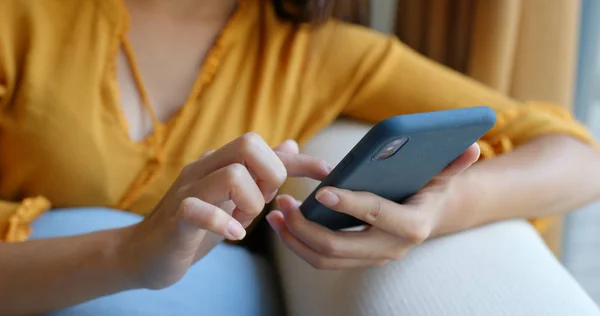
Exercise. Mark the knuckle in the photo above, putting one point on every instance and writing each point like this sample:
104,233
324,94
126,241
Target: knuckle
319,263
280,176
235,172
207,153
295,223
328,248
183,193
258,207
418,232
184,206
397,254
187,202
187,169
207,219
374,212
212,220
250,141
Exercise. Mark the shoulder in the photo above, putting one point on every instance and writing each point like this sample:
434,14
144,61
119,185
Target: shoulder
37,36
330,60
334,46
345,56
49,18
36,26
53,11
342,45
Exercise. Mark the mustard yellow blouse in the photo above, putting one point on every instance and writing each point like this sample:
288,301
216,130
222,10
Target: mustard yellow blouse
64,139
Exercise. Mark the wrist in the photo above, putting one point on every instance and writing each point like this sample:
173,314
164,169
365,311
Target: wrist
463,208
122,258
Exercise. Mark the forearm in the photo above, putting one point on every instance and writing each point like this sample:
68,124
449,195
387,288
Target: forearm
548,176
48,274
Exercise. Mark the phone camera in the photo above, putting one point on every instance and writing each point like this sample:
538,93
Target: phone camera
390,148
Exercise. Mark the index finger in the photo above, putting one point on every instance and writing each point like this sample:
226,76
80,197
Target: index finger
269,168
251,151
403,221
301,165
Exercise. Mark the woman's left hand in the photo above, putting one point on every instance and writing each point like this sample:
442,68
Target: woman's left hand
392,228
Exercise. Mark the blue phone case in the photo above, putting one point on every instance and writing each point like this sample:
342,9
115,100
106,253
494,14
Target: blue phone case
434,140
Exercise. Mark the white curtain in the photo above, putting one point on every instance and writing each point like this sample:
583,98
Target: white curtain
582,229
581,233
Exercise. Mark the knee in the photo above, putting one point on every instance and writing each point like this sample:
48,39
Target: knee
74,221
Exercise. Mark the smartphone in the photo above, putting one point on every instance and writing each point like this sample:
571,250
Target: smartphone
399,156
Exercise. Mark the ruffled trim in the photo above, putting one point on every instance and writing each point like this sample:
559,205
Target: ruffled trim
3,92
525,125
19,223
529,121
212,60
543,224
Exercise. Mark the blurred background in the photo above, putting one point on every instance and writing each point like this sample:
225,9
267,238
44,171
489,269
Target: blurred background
547,50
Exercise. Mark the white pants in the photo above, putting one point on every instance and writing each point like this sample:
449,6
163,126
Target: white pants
500,269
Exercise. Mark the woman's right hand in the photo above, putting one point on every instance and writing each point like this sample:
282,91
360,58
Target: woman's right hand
213,198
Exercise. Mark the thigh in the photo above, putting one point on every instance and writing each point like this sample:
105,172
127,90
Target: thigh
499,269
228,281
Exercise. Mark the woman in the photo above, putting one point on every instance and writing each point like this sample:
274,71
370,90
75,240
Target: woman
111,103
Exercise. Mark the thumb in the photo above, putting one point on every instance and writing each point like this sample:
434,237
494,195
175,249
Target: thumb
195,214
464,161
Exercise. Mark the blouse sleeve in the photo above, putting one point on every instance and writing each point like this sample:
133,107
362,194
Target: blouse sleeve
16,217
372,77
401,81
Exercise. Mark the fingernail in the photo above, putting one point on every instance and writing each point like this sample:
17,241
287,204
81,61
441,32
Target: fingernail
288,204
235,230
291,142
327,198
270,219
329,167
278,200
269,197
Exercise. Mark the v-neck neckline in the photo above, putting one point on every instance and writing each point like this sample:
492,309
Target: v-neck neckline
156,139
155,143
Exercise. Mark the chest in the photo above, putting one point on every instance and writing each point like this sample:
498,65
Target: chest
159,66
